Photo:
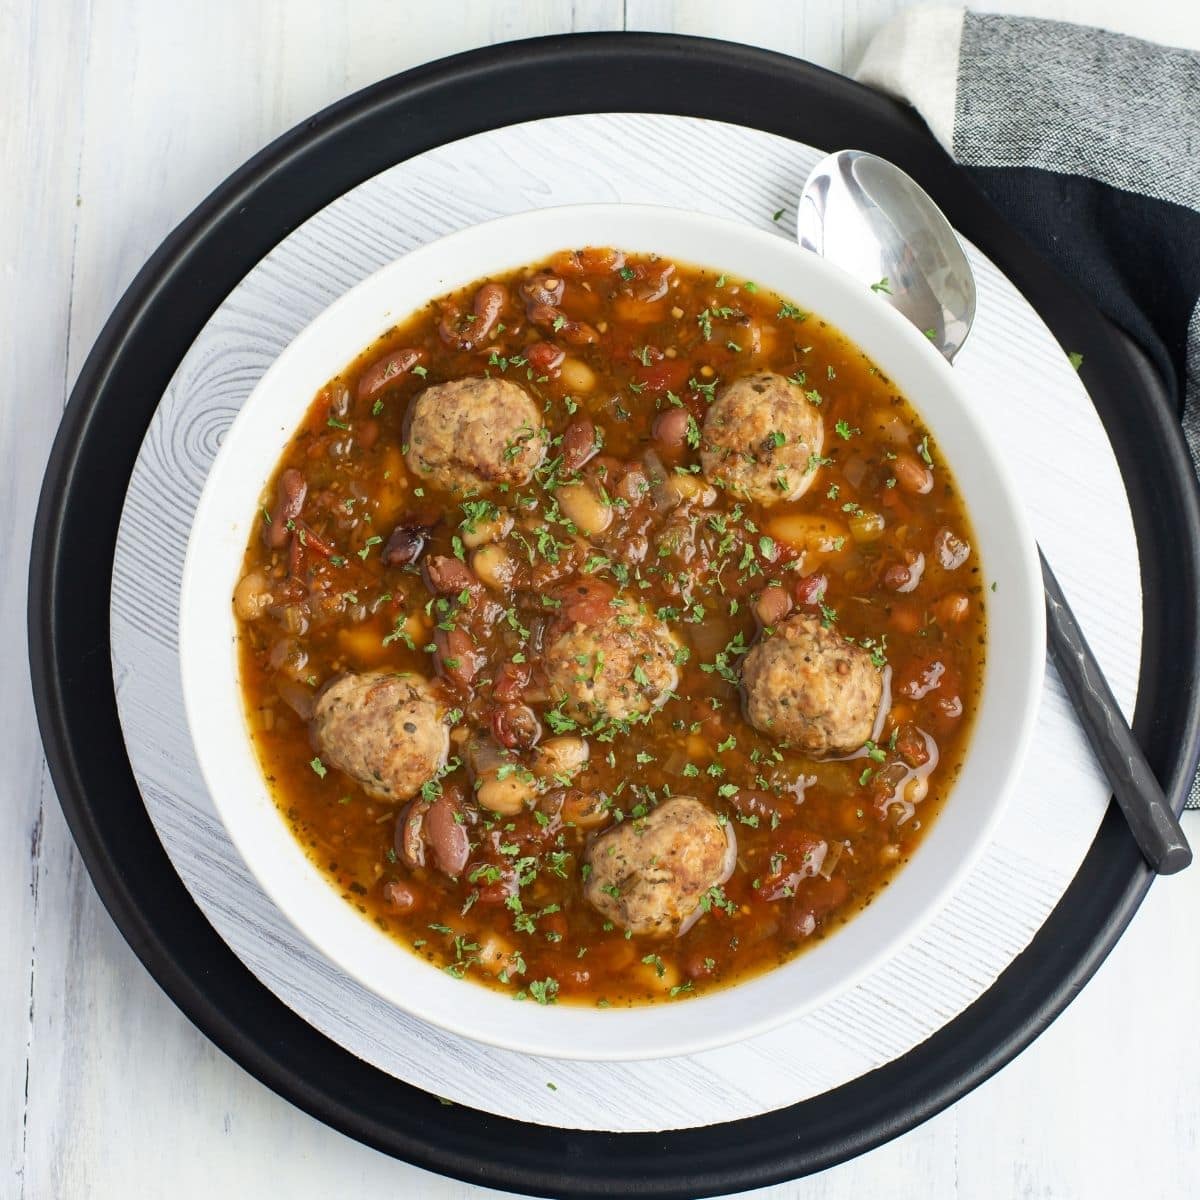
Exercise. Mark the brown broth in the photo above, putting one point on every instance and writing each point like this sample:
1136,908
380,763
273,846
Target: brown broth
334,606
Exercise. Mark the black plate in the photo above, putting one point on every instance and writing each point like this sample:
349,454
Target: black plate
112,404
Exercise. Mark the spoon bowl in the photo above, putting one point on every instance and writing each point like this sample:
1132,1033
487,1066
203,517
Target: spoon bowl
865,214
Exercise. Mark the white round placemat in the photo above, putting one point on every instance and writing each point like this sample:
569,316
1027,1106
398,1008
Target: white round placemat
1037,411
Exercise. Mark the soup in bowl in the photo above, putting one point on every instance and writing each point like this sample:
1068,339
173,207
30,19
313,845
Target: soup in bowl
649,642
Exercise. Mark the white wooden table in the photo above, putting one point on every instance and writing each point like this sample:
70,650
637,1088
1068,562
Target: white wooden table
115,119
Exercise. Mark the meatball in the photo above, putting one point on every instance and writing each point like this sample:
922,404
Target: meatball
470,433
762,438
384,730
649,874
618,667
810,687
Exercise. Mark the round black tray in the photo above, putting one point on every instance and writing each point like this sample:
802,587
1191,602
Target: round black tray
112,404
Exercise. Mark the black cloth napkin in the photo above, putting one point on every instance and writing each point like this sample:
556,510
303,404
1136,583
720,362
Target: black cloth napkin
1089,143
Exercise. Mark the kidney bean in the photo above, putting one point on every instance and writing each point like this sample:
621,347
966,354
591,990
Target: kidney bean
399,896
698,965
459,658
950,549
577,333
579,443
515,726
542,288
389,369
815,901
489,304
574,333
405,545
912,474
446,833
810,589
671,428
545,358
467,334
795,855
290,491
543,314
410,844
448,575
771,605
904,577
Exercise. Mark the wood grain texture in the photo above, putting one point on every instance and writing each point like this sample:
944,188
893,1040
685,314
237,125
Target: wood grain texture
106,1091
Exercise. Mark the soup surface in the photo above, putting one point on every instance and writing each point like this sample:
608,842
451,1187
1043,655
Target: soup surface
611,630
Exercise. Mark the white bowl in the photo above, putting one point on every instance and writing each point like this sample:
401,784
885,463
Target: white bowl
207,642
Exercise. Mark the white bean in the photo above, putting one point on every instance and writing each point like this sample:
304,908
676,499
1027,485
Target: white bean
495,953
487,531
507,796
252,596
584,508
916,789
560,757
494,566
681,488
576,376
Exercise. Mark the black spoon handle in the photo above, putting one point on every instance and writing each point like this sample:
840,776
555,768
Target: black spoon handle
1154,826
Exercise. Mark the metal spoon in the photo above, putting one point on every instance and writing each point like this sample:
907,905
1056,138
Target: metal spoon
865,214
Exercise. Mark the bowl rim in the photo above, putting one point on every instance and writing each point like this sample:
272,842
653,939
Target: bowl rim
663,1024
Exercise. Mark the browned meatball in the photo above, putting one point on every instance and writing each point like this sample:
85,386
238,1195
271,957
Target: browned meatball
649,874
617,668
471,433
762,439
810,687
385,730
